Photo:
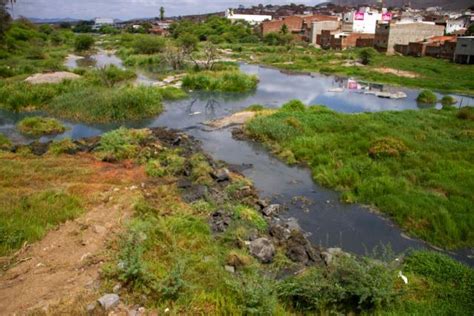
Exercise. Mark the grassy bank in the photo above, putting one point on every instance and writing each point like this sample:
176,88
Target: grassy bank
412,165
430,73
224,81
40,126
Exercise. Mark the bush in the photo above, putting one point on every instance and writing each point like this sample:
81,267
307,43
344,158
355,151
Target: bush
225,81
112,75
466,113
64,146
387,147
121,144
427,97
277,39
83,42
147,44
294,106
255,108
349,285
367,54
448,100
108,105
39,126
5,143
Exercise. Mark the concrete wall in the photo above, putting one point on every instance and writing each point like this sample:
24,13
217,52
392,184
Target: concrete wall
388,35
320,26
368,24
464,53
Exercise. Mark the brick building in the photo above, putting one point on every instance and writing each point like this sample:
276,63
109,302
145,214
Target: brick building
387,35
437,47
341,40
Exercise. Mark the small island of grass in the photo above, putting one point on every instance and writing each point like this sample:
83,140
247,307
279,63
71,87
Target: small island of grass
39,126
223,81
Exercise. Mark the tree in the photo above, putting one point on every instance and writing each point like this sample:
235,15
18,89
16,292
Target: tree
284,29
470,30
83,42
162,13
367,55
5,18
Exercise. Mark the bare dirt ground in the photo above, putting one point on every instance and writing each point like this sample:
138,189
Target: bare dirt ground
64,266
396,72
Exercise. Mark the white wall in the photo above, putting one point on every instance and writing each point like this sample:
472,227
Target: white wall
368,24
250,18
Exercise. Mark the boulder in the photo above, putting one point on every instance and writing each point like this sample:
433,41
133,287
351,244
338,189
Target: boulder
299,249
271,210
221,175
194,193
262,249
220,221
53,77
109,301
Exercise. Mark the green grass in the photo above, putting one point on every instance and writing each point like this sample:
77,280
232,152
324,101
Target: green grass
32,216
5,143
427,97
39,126
97,104
415,166
224,81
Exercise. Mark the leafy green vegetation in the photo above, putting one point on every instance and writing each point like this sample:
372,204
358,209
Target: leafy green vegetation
225,81
413,165
5,143
83,42
448,100
40,126
30,218
427,97
121,144
64,146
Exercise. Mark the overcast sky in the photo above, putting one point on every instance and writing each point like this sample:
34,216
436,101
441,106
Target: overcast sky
127,9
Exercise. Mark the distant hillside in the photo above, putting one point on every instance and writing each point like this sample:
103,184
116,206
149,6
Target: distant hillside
419,4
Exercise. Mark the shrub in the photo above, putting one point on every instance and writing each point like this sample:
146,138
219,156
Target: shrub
466,113
427,97
112,75
387,147
64,146
83,42
225,81
367,54
122,143
448,100
39,126
5,143
95,104
350,284
294,106
145,44
277,39
255,108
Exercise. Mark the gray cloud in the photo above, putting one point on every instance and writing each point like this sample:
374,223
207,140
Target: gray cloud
126,9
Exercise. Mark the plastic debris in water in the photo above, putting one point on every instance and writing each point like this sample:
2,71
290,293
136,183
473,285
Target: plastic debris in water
404,278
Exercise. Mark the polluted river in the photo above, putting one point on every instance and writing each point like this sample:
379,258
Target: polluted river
319,211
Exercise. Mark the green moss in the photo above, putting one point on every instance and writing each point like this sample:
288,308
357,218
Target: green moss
40,126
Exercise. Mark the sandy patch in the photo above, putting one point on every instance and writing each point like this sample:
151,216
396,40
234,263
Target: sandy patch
234,119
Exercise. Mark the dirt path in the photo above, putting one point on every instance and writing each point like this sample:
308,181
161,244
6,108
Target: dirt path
66,263
396,72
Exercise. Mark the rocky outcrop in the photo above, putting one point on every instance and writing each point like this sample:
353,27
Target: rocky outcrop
262,249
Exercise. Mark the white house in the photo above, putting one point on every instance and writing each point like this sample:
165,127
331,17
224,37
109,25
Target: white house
99,22
365,20
454,25
253,19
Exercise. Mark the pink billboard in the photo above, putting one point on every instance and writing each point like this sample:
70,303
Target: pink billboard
387,16
359,16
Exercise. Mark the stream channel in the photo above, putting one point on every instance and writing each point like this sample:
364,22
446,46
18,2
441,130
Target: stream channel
319,211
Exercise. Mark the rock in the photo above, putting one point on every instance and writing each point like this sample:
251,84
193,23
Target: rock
262,249
38,148
117,288
230,269
109,301
184,183
98,229
194,193
331,253
279,232
299,249
221,175
220,221
262,203
271,210
91,308
53,77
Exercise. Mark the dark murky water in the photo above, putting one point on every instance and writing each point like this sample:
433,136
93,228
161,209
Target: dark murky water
330,222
